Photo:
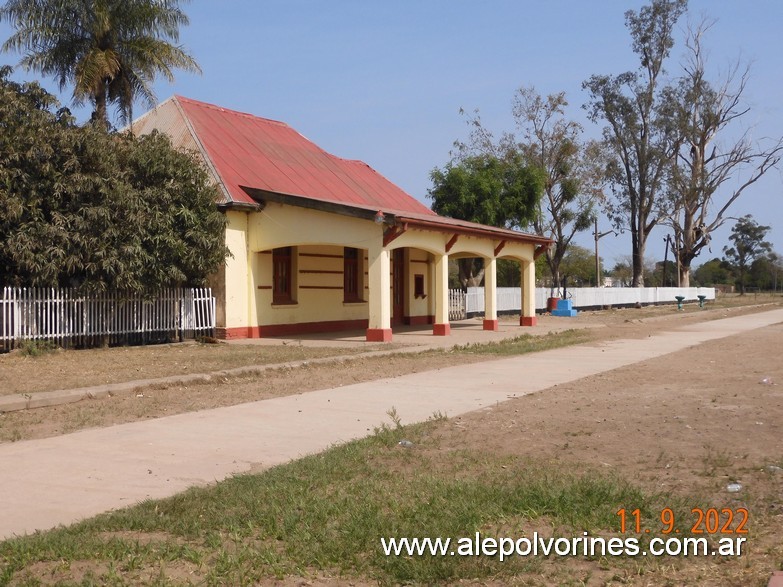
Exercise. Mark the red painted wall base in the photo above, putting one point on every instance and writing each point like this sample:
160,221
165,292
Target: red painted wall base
441,329
237,333
379,335
311,327
290,329
490,324
419,320
528,321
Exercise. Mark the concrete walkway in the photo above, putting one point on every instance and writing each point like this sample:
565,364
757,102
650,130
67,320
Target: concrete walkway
52,481
408,339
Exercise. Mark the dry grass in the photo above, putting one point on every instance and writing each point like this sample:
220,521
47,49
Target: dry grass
669,432
68,369
21,373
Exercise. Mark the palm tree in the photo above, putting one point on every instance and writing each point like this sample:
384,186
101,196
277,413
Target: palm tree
110,51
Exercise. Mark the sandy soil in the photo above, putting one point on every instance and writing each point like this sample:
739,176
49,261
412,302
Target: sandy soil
69,369
120,364
687,423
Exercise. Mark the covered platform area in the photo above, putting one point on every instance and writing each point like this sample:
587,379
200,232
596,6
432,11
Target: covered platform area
313,267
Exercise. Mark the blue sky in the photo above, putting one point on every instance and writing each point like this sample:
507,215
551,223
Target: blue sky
384,81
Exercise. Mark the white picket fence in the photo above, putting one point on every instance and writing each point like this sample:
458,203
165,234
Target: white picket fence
457,304
70,318
463,304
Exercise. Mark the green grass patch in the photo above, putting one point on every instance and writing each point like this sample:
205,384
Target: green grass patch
327,513
527,343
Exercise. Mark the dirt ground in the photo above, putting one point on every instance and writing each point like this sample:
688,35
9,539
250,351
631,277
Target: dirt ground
120,364
687,424
22,373
69,369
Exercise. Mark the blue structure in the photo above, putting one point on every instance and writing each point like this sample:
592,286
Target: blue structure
564,308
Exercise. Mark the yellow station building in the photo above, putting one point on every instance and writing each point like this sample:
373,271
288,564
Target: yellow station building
321,244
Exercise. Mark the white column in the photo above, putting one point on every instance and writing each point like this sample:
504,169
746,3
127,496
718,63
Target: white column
490,294
441,326
528,315
379,327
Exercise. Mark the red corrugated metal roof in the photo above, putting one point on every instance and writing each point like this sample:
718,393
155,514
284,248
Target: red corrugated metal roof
270,155
465,227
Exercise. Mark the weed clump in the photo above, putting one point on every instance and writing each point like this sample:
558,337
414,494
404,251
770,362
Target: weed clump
37,348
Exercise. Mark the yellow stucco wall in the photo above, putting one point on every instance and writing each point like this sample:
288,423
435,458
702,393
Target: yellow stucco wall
319,239
279,225
317,287
418,264
236,270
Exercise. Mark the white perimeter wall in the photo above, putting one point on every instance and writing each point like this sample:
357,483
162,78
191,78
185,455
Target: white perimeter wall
509,298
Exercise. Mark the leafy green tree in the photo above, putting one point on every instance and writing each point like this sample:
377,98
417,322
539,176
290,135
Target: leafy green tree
578,267
549,140
553,142
81,207
34,155
764,270
509,274
656,277
109,51
749,244
622,273
486,190
638,134
714,272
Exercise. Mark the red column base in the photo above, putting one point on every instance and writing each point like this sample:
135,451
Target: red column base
441,329
528,321
490,324
379,335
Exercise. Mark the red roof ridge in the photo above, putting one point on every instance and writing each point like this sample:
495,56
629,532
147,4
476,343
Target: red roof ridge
230,111
347,160
241,148
250,116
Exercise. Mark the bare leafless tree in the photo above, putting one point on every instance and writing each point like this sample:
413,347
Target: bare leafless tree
705,116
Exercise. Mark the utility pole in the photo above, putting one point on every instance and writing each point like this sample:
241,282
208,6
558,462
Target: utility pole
677,255
665,260
598,236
